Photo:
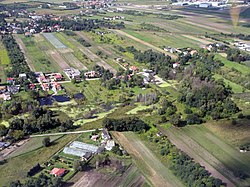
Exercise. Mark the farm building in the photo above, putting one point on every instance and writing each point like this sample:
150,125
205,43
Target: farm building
109,145
81,149
58,172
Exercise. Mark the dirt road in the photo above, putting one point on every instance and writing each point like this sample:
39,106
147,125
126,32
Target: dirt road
200,155
145,43
156,172
23,49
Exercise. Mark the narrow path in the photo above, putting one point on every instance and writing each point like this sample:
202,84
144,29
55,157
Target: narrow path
62,133
145,43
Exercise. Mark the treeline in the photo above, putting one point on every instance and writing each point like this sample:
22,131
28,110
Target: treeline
17,59
42,181
199,89
162,16
78,25
40,120
183,166
239,36
236,55
83,42
125,124
159,62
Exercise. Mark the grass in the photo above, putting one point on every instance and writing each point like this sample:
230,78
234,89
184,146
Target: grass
138,109
4,58
35,50
236,88
245,70
9,171
31,145
4,62
5,123
82,122
163,39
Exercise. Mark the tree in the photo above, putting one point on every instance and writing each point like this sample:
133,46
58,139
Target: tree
46,142
78,165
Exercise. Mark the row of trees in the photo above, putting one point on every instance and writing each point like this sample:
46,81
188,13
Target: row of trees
42,180
183,166
236,55
18,62
125,124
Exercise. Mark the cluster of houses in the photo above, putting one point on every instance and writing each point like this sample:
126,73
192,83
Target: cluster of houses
243,46
6,91
48,81
184,51
215,47
203,3
114,18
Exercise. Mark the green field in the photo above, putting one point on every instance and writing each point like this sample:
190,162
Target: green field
245,70
147,162
236,88
35,51
4,62
31,145
225,157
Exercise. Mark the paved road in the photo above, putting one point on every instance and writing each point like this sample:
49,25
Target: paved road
62,133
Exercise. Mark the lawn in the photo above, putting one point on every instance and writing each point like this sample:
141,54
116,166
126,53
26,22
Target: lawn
9,171
245,70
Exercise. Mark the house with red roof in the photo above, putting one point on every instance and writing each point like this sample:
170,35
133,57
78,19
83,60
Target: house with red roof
134,69
10,80
58,172
32,86
45,86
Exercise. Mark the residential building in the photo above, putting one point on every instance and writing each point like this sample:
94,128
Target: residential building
58,172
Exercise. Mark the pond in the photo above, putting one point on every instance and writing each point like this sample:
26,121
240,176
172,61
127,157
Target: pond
61,98
50,99
78,96
45,101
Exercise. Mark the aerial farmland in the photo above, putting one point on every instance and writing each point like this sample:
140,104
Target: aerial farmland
124,93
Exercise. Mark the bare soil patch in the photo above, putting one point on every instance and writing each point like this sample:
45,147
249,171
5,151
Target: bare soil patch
58,59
